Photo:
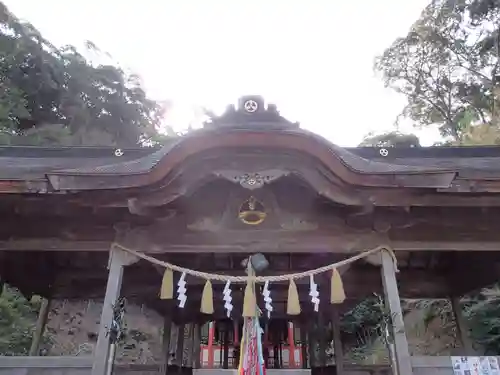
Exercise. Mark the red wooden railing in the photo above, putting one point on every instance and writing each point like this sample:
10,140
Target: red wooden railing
291,353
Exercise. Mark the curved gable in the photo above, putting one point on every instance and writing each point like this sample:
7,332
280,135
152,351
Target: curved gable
250,126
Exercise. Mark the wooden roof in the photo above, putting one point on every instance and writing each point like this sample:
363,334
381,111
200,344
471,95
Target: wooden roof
63,207
233,139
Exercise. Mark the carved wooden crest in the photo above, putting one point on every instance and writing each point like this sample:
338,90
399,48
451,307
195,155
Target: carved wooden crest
251,111
252,180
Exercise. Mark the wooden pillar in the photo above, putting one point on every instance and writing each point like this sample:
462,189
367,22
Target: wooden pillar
392,300
265,344
291,345
312,342
188,345
197,346
303,344
322,340
179,350
462,331
117,261
167,334
338,351
280,354
211,334
275,338
236,329
43,313
225,364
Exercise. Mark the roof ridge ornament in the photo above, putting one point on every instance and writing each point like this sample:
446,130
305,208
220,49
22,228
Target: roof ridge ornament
251,112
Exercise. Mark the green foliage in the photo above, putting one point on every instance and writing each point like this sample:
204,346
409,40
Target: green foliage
52,95
17,320
447,65
390,139
483,314
362,328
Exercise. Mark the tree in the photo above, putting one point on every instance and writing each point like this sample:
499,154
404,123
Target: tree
447,65
52,95
390,139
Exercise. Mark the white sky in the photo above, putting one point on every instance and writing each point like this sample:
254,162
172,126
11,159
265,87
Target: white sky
313,58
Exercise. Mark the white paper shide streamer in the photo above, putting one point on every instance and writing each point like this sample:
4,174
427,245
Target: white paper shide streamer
181,290
227,298
313,292
267,299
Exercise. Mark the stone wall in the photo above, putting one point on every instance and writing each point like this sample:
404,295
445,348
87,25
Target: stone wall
73,326
72,329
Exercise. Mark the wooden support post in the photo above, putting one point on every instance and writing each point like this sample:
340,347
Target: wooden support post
43,313
179,350
291,346
225,364
236,329
266,333
403,359
303,344
462,331
265,342
280,354
189,345
118,259
338,351
321,341
167,333
313,342
211,334
197,346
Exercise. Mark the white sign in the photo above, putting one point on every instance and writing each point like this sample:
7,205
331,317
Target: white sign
475,365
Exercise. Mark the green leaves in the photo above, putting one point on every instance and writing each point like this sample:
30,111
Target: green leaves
446,64
390,139
42,86
17,321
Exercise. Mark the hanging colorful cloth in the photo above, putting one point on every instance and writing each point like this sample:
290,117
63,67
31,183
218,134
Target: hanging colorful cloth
251,354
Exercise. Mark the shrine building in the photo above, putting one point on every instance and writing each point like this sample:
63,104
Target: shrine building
248,222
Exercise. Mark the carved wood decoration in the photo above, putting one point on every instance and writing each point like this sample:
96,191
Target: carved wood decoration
274,217
252,180
254,171
251,111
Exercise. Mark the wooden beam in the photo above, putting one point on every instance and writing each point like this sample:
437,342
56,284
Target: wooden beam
406,198
403,358
358,282
325,244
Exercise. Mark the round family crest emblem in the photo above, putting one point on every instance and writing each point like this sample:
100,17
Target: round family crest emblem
251,106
